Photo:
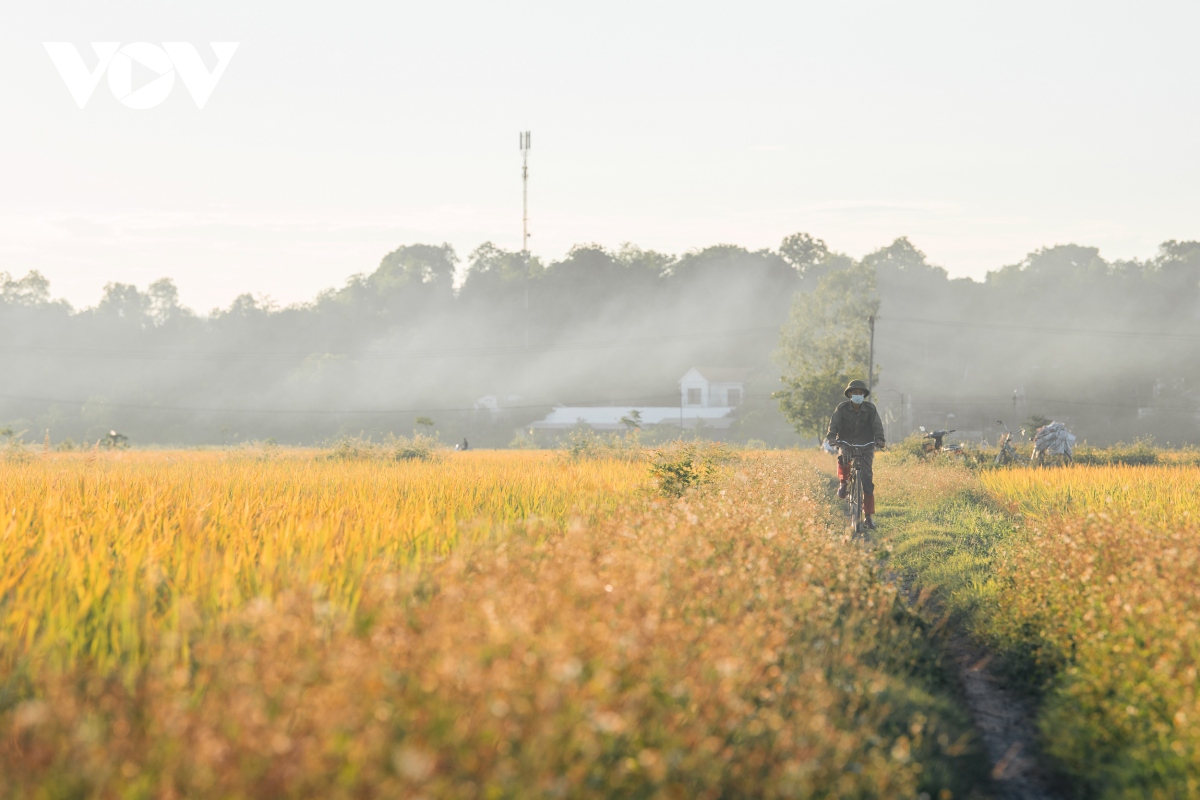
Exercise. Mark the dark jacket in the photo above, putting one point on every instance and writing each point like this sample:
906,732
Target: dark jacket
856,424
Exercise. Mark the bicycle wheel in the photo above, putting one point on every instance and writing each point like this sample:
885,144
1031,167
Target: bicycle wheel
856,504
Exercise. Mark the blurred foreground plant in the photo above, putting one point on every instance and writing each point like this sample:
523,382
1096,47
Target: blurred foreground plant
722,645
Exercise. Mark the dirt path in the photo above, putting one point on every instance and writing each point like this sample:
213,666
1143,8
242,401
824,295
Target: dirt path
1003,719
1004,722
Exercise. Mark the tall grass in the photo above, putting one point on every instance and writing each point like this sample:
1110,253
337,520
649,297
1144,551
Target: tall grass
1100,601
349,635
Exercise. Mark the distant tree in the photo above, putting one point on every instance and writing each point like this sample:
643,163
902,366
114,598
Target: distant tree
502,265
1059,265
645,262
412,280
32,290
502,289
124,301
905,276
901,256
824,345
588,266
588,279
1170,254
164,304
246,306
810,258
727,261
804,253
424,264
1176,269
729,287
425,422
114,441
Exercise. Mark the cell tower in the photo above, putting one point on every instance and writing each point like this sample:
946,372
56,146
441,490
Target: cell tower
524,192
525,223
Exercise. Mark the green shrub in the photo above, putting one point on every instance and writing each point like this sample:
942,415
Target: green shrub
911,448
681,466
420,446
351,448
585,443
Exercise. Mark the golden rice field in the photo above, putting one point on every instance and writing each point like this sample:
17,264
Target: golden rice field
106,556
484,625
1102,595
1160,495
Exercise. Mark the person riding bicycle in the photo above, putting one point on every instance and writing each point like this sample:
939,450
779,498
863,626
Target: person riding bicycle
857,421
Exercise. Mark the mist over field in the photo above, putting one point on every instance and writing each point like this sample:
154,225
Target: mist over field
1011,186
1110,347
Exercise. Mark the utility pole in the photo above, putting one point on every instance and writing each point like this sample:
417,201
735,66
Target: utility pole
871,361
525,139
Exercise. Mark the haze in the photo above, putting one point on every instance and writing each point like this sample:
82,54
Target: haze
982,133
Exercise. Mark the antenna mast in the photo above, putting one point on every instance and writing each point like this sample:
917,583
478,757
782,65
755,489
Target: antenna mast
525,192
525,223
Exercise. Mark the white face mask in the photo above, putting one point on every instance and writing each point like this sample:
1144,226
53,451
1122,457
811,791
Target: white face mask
857,399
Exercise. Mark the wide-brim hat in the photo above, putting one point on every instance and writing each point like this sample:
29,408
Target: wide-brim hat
857,385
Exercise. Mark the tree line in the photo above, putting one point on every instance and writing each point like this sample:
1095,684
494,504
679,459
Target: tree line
1110,347
426,334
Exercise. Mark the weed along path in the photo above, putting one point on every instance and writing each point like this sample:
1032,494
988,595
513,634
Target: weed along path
938,533
1067,605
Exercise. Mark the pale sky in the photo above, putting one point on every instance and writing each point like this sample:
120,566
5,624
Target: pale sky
340,131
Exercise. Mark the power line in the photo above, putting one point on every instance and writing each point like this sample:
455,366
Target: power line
951,402
1042,329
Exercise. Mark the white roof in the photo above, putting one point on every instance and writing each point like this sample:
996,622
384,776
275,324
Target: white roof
717,374
569,416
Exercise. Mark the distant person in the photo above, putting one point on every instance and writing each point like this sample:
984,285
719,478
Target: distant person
856,421
464,445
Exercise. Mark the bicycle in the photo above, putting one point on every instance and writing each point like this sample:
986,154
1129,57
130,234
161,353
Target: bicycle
854,500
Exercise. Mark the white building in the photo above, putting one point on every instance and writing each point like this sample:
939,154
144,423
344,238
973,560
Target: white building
712,387
707,396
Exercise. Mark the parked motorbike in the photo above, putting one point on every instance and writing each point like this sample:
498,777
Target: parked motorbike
936,445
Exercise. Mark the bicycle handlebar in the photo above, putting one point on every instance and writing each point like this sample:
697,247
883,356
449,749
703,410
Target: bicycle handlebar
850,444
